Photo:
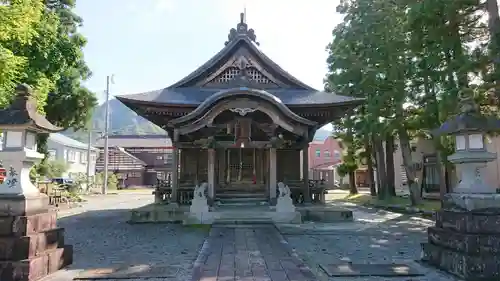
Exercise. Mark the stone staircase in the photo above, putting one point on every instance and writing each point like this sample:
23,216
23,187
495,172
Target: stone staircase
238,216
242,195
243,204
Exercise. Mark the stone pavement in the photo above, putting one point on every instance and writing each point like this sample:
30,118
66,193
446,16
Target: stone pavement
376,237
102,239
253,253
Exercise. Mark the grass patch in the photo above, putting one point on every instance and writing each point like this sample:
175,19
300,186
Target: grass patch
368,200
203,227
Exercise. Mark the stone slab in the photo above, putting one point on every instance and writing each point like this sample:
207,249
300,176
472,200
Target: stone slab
465,266
27,225
468,222
314,228
361,270
325,214
130,272
19,248
478,203
21,205
37,267
158,213
473,244
249,254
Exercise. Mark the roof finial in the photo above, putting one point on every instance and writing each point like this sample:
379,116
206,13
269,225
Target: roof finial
242,30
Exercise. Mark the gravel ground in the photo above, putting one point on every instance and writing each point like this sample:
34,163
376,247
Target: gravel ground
102,239
396,240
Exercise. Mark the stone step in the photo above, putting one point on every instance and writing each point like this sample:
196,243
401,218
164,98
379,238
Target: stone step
243,204
241,191
231,195
243,201
228,222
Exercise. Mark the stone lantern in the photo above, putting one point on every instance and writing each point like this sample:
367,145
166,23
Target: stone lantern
20,124
25,214
466,238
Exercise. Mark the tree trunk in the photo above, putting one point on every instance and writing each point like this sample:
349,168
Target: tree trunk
369,163
494,30
352,183
389,160
381,170
404,141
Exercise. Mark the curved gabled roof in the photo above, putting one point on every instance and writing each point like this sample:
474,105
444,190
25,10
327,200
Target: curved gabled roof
195,96
240,41
231,93
188,92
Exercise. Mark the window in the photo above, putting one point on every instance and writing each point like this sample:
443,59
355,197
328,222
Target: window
52,154
134,175
168,158
160,175
336,154
159,157
318,153
83,158
327,154
71,156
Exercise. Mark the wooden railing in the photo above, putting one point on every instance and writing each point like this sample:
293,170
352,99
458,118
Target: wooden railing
185,193
54,191
164,190
317,191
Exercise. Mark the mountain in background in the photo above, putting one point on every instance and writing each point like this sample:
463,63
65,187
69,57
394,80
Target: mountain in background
124,121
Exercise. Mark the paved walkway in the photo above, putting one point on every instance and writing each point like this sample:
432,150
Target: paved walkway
170,252
257,253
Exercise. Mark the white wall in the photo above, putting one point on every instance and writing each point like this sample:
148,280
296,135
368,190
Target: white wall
75,158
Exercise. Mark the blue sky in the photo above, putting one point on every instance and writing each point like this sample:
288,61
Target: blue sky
150,44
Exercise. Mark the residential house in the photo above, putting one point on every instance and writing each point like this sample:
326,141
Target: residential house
137,160
324,156
73,153
424,154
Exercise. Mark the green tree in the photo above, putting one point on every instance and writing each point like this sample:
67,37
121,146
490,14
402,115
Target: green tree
409,60
51,60
18,27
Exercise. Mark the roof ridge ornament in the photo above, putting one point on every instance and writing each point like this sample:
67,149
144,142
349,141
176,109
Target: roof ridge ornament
241,30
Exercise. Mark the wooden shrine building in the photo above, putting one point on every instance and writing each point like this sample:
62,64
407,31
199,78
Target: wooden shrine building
240,122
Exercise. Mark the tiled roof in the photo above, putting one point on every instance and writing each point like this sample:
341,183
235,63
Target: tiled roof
195,96
184,93
67,141
128,141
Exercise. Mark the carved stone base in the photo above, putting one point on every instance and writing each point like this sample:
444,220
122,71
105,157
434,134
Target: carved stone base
480,203
31,246
465,244
22,205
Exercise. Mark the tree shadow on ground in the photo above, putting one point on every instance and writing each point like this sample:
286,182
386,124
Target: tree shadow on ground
103,240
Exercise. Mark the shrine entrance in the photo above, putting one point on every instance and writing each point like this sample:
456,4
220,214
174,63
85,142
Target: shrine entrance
243,170
239,124
241,162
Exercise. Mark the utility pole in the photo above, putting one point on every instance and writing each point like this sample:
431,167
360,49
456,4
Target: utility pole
89,148
109,79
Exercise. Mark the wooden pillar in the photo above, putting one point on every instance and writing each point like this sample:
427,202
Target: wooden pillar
175,175
211,173
272,174
305,172
221,157
228,173
262,165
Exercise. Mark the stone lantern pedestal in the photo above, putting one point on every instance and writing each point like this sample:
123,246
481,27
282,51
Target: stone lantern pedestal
466,238
31,244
